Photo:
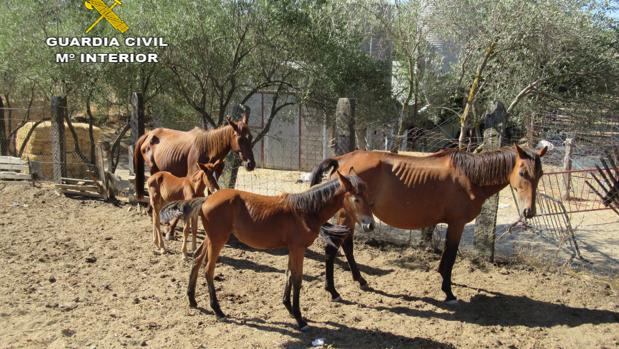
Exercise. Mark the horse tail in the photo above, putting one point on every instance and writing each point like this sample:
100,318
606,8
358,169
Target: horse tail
324,166
138,167
186,209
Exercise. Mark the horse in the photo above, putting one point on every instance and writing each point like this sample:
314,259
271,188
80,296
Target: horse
164,187
449,186
267,222
178,152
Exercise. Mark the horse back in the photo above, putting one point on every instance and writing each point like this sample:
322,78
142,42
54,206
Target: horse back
259,221
409,192
167,150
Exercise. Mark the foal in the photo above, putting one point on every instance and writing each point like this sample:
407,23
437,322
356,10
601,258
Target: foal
164,187
265,222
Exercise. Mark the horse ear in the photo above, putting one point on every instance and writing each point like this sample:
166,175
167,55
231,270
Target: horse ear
352,172
344,181
521,153
542,151
218,163
201,166
232,123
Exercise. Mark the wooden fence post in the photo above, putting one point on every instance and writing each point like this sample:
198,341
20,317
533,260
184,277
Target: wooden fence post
137,116
59,156
344,126
485,224
3,142
567,166
104,153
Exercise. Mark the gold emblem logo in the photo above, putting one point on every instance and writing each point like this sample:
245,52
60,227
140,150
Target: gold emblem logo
106,13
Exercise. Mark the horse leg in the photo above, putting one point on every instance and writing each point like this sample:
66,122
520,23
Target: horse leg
157,236
186,236
295,264
213,252
170,235
454,232
330,254
193,275
287,289
347,246
194,233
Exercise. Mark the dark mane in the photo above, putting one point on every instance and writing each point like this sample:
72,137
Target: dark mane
313,199
489,168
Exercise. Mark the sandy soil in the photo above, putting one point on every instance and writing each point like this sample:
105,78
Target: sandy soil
82,274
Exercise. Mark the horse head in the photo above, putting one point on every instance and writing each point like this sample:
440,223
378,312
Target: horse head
525,177
208,175
356,203
242,141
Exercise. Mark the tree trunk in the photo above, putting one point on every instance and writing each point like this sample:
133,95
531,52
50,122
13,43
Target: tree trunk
473,93
485,224
9,123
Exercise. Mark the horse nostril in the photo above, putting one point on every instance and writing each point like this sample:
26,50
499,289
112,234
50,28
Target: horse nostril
368,226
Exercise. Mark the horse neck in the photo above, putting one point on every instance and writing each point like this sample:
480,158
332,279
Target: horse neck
486,174
198,182
484,192
329,208
217,143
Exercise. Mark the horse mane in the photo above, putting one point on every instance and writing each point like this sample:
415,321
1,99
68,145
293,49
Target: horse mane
214,141
488,168
312,200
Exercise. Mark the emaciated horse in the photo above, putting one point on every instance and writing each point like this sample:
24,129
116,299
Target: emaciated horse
164,187
178,152
266,222
450,187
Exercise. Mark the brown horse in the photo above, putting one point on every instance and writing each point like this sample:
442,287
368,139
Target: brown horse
446,187
164,187
178,152
265,222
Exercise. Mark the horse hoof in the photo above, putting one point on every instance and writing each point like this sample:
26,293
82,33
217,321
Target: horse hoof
452,302
193,303
364,286
337,299
304,327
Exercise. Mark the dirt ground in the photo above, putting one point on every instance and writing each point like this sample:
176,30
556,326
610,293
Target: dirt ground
82,274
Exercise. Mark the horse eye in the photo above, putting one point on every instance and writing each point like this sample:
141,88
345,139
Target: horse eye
522,173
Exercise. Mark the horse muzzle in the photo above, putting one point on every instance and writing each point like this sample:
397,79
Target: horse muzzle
250,165
367,225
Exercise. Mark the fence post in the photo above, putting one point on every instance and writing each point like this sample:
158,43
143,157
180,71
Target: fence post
567,166
137,116
3,143
485,224
59,156
344,126
325,137
104,153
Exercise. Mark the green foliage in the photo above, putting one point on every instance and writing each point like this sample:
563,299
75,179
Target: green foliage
549,54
